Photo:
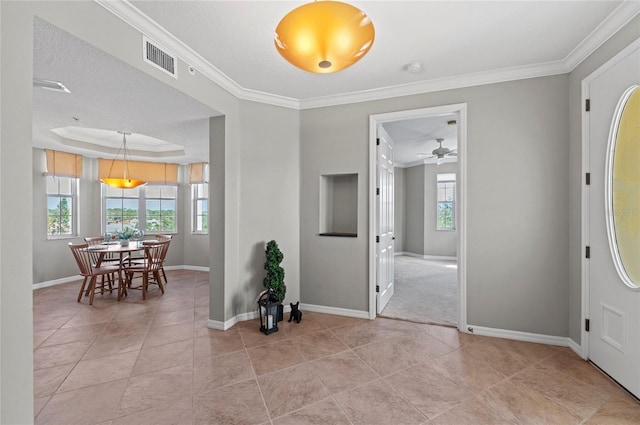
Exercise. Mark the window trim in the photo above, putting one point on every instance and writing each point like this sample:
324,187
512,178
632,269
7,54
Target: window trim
142,209
75,191
194,209
453,202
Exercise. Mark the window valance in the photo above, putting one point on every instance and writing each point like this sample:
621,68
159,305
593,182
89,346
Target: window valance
151,172
199,173
63,164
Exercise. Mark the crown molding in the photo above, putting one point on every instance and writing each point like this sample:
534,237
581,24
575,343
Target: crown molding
147,26
603,32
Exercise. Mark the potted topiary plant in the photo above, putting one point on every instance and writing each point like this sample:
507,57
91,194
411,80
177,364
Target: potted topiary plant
274,279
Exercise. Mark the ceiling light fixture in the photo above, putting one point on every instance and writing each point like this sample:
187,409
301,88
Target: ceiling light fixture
324,36
50,85
125,182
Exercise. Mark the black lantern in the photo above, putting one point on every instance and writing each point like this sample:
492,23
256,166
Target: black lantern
268,306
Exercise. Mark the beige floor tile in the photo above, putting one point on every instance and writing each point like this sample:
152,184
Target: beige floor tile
342,371
361,334
238,404
47,323
500,358
526,406
376,403
386,357
168,334
422,345
291,389
41,336
166,356
56,355
619,410
306,326
272,357
47,381
95,404
252,336
334,321
173,317
584,371
473,412
325,412
532,352
216,343
451,336
108,344
38,404
472,373
176,304
156,389
579,398
178,412
92,315
87,333
97,371
318,344
225,369
429,391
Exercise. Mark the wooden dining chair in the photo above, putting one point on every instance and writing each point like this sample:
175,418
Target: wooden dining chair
164,238
91,268
149,268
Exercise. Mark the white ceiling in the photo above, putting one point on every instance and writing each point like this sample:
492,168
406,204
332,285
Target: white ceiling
460,43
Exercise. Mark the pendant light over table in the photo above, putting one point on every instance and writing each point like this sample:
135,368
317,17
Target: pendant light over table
123,182
324,36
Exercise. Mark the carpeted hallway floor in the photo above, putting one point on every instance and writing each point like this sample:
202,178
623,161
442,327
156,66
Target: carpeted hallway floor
426,291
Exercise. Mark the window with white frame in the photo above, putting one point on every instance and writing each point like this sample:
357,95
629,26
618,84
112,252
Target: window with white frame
151,208
62,207
446,201
160,209
122,208
200,207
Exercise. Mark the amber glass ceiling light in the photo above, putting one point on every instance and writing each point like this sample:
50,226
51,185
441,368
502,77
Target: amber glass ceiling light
125,182
324,36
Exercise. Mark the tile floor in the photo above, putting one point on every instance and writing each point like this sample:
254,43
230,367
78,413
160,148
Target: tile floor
156,363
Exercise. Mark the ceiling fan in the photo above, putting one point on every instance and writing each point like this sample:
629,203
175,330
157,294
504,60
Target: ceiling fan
439,152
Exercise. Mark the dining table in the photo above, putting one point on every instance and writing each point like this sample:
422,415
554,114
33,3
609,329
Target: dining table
116,247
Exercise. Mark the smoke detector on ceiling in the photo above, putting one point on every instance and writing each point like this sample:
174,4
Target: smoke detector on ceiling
414,67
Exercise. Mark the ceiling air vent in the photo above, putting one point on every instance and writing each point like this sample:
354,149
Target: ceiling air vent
157,57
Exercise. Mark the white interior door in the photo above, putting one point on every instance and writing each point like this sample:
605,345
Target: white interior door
614,307
385,238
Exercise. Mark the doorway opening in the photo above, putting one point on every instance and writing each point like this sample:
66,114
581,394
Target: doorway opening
424,278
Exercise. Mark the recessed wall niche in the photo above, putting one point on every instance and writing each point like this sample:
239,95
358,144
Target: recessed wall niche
339,205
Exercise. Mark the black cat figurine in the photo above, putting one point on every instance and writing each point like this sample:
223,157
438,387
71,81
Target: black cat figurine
295,313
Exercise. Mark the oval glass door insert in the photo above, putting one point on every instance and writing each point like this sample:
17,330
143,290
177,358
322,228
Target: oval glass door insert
623,188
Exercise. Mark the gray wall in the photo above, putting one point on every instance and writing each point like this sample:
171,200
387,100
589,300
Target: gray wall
517,260
414,210
615,44
399,176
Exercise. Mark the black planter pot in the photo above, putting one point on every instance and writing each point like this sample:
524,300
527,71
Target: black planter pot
280,317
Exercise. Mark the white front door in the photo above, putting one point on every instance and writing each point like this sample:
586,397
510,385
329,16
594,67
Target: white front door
384,206
614,307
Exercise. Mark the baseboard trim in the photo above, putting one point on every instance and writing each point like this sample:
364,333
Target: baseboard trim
429,257
55,282
561,341
577,348
241,317
62,280
334,310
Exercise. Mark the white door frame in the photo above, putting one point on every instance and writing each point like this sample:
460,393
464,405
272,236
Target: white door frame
461,188
584,239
